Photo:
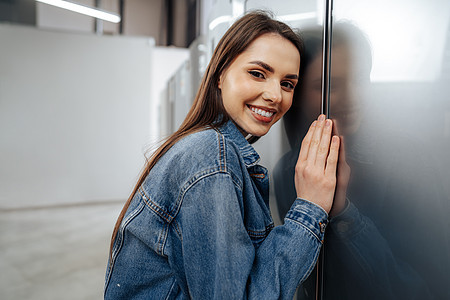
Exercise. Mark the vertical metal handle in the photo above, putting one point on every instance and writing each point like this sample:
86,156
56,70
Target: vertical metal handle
325,109
326,57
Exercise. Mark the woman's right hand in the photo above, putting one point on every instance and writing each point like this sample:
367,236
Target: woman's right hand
315,171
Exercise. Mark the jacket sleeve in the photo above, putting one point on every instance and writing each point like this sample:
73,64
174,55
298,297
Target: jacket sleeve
365,264
220,260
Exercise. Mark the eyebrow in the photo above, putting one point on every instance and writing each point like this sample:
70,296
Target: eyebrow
271,70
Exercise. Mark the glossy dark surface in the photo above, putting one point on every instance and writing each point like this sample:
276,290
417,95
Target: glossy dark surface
391,108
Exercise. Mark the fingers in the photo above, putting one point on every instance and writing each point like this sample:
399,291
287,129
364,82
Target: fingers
342,157
333,155
315,140
306,142
316,144
324,144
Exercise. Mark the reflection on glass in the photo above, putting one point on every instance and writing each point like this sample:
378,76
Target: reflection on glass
388,238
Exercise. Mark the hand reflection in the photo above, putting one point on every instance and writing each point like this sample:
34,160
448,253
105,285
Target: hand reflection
343,178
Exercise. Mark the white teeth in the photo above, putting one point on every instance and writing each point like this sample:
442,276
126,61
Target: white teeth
262,112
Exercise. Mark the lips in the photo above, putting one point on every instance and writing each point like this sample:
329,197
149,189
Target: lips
262,114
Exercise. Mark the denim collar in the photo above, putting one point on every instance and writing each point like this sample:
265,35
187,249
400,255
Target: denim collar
232,133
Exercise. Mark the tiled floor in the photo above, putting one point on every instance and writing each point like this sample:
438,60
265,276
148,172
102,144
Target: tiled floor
55,253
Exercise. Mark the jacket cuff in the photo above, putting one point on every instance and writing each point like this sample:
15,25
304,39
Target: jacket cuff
348,223
309,215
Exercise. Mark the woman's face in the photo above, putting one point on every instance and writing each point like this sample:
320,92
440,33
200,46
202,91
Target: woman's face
258,86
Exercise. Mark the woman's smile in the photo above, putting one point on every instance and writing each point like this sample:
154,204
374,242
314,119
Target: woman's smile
262,114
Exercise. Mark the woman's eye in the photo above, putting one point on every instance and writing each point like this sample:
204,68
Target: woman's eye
256,74
288,85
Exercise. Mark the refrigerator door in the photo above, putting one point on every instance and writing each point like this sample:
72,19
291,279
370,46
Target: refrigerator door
388,96
389,99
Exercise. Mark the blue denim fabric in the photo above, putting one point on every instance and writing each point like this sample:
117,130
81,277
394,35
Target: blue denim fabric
200,227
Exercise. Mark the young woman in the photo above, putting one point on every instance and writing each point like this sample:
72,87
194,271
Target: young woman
197,224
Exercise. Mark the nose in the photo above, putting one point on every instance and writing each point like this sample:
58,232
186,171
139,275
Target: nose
272,92
345,94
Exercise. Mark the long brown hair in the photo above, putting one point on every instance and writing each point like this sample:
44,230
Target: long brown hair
208,110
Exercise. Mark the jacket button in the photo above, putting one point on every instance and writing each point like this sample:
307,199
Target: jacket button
342,227
322,227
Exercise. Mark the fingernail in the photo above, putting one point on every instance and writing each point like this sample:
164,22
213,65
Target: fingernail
321,117
335,139
328,122
314,124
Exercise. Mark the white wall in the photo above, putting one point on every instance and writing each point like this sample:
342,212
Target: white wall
74,115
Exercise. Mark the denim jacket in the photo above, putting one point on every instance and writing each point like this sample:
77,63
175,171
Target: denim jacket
200,227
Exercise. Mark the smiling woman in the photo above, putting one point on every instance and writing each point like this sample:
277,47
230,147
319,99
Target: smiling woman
197,224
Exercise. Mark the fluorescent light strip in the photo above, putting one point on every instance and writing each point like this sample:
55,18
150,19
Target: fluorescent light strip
219,20
110,17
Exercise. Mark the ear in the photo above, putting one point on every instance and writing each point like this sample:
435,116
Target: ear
219,82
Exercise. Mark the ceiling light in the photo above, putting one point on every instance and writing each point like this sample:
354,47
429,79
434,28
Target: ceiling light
85,10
